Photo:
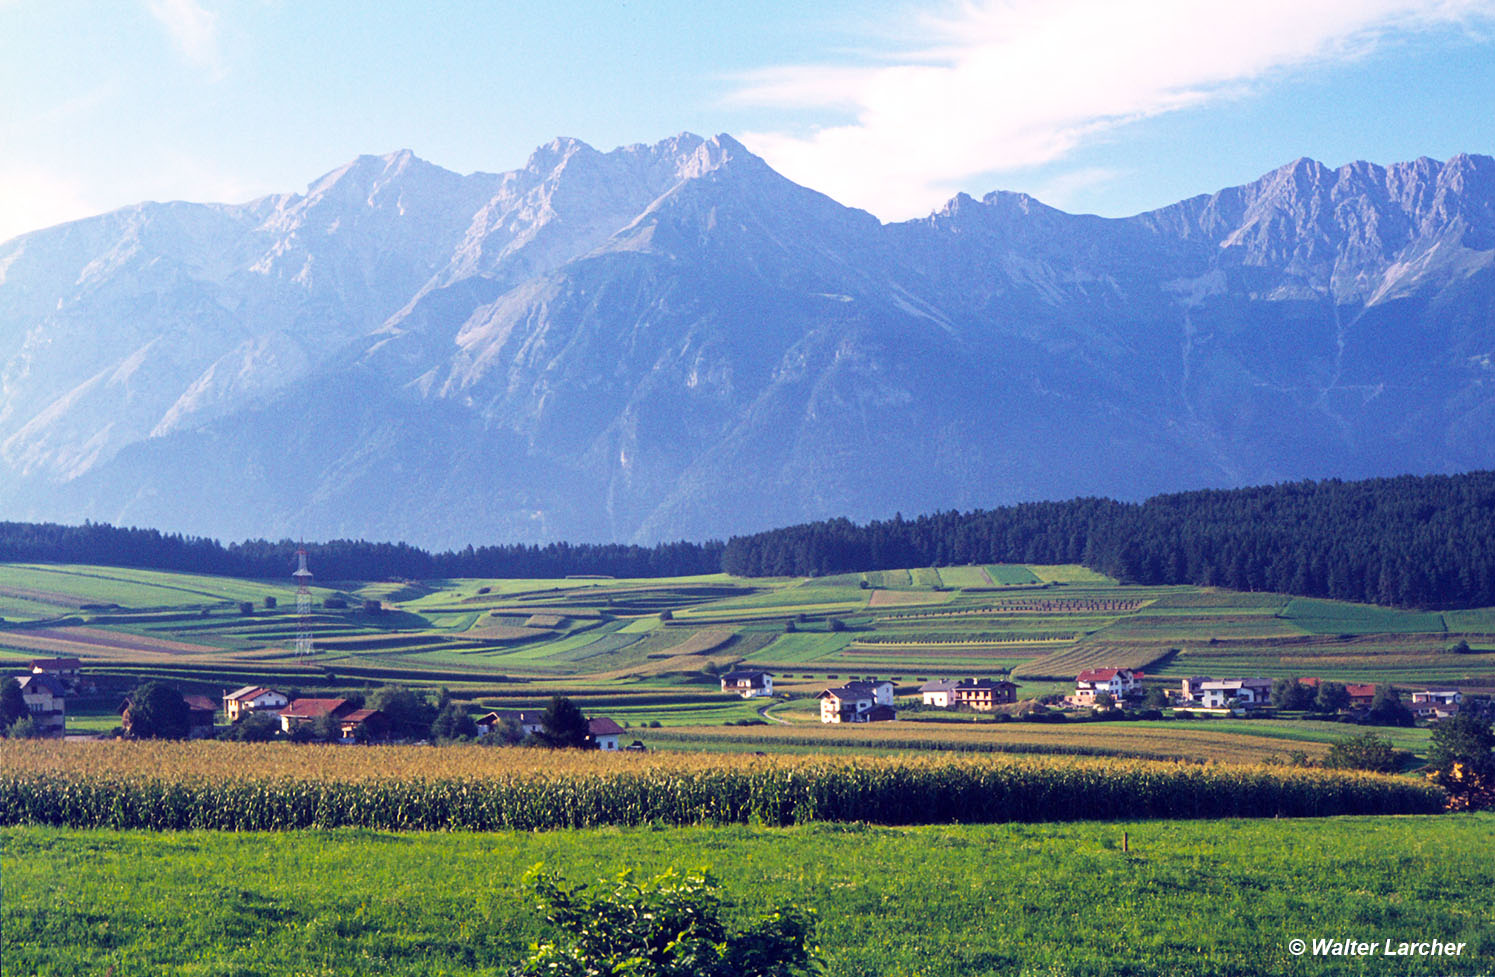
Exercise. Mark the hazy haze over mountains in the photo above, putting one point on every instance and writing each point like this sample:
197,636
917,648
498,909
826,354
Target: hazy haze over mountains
673,340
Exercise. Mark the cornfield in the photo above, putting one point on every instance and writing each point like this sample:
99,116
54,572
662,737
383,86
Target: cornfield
257,787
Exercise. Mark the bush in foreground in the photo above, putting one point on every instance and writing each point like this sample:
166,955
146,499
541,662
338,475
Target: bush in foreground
668,926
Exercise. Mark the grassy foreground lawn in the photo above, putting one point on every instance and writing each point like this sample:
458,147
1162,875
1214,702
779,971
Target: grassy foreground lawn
1208,898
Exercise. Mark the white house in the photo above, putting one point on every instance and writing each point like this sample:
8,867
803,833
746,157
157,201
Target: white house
882,692
748,682
855,703
1118,682
1247,692
529,722
939,693
603,733
67,673
1191,691
45,701
252,698
1436,703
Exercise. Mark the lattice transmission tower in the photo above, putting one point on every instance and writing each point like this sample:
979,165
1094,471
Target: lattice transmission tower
302,576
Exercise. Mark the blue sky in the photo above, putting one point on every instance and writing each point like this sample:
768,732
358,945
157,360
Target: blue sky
1105,106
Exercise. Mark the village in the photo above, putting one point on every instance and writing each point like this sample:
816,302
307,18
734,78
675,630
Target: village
1098,693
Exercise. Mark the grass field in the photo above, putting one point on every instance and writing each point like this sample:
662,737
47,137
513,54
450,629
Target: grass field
1222,899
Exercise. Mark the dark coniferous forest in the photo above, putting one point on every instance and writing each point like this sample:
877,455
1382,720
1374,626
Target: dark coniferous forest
1412,541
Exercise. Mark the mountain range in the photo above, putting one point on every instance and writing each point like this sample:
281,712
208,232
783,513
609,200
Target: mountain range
673,340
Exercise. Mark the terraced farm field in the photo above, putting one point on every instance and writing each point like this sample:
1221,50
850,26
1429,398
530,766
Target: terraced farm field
634,646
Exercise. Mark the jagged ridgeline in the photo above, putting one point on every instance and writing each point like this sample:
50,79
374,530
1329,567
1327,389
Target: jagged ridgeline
673,341
1418,541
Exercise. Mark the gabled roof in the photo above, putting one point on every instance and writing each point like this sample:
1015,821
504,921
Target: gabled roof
200,703
361,716
1360,690
942,685
56,664
984,684
746,675
312,708
847,693
602,726
870,685
1098,674
35,684
249,692
523,718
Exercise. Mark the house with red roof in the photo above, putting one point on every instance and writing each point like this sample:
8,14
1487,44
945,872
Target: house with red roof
1361,695
375,724
1118,682
307,710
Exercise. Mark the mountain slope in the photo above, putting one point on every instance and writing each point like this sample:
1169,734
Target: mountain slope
675,340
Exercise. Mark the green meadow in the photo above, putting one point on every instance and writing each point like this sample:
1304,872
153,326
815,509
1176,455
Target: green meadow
1220,898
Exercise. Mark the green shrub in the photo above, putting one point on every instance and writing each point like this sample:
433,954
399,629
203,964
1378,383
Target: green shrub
668,926
1367,751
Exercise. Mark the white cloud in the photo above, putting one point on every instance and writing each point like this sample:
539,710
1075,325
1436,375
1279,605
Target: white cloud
1000,85
193,30
31,198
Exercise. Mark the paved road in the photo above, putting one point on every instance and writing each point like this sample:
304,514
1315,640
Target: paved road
763,711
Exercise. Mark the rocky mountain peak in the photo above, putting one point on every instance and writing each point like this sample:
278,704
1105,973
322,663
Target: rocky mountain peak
672,339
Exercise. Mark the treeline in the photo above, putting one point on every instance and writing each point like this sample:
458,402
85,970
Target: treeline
1411,541
343,559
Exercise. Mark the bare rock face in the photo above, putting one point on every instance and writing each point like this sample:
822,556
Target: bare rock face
673,340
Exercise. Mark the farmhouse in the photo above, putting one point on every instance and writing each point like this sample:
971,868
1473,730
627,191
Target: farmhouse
201,712
1361,695
603,733
44,698
1118,682
882,692
856,702
374,723
252,698
939,693
1436,703
748,682
1192,689
984,694
307,710
1250,693
529,722
66,672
